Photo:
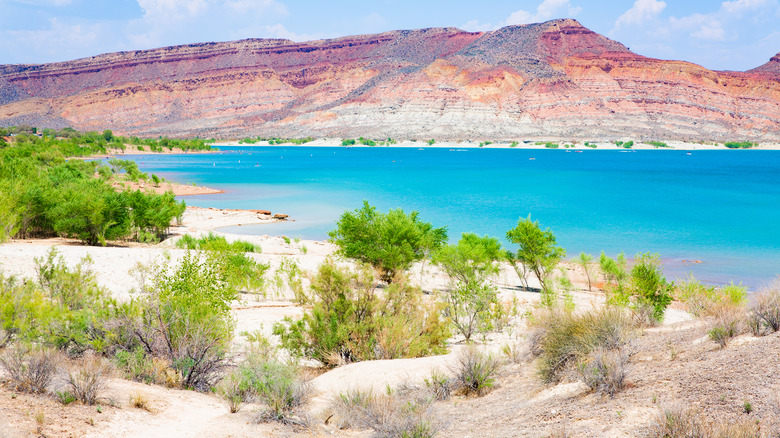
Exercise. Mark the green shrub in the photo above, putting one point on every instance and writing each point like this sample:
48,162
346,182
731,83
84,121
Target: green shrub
658,144
740,144
186,319
349,321
703,300
348,142
471,296
538,250
390,242
648,285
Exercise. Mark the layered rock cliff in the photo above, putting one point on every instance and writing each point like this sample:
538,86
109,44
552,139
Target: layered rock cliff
549,80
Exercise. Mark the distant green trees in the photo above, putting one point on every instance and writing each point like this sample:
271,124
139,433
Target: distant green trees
42,193
390,242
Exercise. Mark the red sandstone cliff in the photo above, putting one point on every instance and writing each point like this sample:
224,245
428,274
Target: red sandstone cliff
549,80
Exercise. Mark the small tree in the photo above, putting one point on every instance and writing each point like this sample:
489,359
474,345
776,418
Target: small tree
538,250
649,286
470,264
585,260
389,242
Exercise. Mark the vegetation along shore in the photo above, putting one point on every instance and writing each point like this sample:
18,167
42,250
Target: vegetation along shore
115,298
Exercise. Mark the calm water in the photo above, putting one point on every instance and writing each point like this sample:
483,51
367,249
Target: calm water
719,207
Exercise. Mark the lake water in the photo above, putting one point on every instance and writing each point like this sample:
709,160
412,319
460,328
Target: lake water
718,207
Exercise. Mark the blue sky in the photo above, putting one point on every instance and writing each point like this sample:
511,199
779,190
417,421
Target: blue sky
724,35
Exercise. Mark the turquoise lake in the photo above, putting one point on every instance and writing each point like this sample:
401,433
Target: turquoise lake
718,207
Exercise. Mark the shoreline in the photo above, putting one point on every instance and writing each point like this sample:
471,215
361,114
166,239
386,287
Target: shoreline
526,144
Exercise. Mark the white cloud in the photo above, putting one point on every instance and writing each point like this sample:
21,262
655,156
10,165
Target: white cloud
170,22
737,6
640,13
547,9
704,27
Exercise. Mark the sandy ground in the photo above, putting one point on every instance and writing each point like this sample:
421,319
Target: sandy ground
520,406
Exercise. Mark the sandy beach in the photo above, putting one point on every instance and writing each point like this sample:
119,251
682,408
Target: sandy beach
191,414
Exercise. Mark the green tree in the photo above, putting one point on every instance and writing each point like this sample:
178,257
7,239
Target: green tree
538,251
390,242
585,261
470,264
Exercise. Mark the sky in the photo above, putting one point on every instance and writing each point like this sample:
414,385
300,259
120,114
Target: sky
717,34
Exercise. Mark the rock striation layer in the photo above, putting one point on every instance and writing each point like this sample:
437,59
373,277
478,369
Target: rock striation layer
552,80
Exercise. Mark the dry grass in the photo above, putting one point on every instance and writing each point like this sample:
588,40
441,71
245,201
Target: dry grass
562,338
765,310
605,370
89,379
31,369
388,414
140,400
475,372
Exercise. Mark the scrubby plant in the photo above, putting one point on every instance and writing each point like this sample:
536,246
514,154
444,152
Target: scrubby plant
765,310
30,368
725,325
186,319
390,242
562,338
88,380
475,372
605,370
471,296
388,415
350,321
585,261
538,250
440,385
677,421
705,301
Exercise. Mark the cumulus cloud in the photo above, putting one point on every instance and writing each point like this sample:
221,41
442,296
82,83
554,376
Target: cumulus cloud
547,9
738,6
168,22
640,13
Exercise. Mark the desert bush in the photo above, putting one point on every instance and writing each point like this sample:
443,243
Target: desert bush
703,300
390,242
439,385
538,250
605,370
471,295
30,369
350,320
615,272
388,415
765,309
475,372
561,338
724,326
232,391
677,421
648,285
139,400
186,320
214,242
88,380
585,261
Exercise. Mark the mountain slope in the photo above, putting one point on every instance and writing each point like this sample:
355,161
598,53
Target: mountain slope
548,80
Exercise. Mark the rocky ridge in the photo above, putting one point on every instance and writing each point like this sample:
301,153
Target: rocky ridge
552,80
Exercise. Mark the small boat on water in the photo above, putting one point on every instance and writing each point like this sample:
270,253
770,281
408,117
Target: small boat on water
531,159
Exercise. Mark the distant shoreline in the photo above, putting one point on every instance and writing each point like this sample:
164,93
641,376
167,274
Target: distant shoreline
599,145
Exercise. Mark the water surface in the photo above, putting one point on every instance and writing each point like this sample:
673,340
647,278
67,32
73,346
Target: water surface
718,207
